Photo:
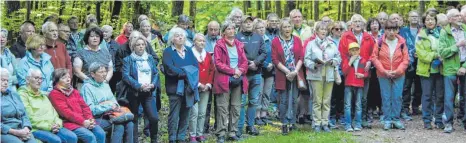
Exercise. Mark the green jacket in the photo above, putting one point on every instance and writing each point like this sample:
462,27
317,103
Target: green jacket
426,53
96,96
39,109
449,52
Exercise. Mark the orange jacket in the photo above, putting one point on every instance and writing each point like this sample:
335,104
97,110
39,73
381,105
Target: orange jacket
381,58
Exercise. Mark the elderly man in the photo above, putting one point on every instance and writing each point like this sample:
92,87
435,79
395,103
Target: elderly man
57,50
236,16
112,47
382,17
463,14
453,52
73,24
409,32
299,28
64,34
213,34
19,48
254,48
143,17
273,22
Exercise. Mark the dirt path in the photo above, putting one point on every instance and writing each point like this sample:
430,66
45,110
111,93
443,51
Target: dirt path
414,133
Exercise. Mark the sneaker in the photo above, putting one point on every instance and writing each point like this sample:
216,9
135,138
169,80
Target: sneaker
399,125
406,117
221,139
266,120
326,129
448,128
284,130
259,122
428,126
332,125
417,112
357,129
233,138
439,126
192,140
387,126
349,129
293,127
252,130
317,128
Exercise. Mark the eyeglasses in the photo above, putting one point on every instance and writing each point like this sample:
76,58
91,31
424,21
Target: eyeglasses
38,78
391,28
338,29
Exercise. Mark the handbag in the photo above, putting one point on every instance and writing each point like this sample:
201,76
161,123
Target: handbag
121,116
301,83
235,82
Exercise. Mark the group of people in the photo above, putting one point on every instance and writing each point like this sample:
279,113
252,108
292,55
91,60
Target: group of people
65,84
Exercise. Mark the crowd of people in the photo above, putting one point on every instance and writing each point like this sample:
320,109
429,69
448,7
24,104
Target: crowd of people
68,85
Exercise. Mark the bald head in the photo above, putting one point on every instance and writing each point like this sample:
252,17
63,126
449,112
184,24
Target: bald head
213,28
396,18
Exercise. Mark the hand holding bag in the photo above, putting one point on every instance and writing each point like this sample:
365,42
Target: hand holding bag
121,116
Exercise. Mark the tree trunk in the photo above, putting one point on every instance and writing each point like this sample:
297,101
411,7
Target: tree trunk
357,7
116,10
290,5
268,7
343,10
278,8
422,6
28,13
192,11
97,11
177,8
339,10
316,10
259,9
246,6
62,7
12,6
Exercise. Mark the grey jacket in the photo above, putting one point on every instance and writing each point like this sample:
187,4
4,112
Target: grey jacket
314,51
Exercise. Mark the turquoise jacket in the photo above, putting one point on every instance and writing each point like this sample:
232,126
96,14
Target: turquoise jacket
95,94
45,66
14,114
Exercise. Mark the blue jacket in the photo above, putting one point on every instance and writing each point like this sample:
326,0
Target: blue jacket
405,32
254,48
189,87
268,59
210,43
130,74
45,66
172,64
13,112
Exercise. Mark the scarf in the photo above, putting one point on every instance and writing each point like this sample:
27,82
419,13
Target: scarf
434,32
65,90
140,60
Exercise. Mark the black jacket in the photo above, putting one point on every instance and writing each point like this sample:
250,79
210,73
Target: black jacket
254,48
19,48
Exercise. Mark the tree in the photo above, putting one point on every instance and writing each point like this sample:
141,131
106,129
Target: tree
268,7
192,10
246,6
28,14
357,7
97,11
290,5
62,7
278,8
259,9
422,6
12,6
316,10
116,10
177,8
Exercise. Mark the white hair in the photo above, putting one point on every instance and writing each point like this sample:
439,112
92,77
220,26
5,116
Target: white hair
31,71
233,12
144,22
4,71
197,36
463,11
107,28
142,16
451,12
24,25
294,11
135,34
353,18
4,32
46,26
175,31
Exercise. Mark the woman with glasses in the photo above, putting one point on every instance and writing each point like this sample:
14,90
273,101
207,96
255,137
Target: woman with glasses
36,58
390,58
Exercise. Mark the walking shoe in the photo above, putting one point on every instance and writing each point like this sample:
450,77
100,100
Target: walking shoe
259,122
252,130
357,129
307,119
332,125
293,127
416,111
399,125
406,117
366,124
192,140
317,128
221,139
266,120
439,126
448,128
284,130
233,138
387,126
428,126
349,129
326,129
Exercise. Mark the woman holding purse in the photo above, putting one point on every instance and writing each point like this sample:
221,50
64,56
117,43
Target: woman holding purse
322,60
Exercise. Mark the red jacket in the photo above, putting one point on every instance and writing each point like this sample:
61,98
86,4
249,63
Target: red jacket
72,109
278,56
121,39
307,41
350,74
59,57
222,63
382,62
365,48
206,70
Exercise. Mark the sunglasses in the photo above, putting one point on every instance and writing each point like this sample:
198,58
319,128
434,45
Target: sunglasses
338,29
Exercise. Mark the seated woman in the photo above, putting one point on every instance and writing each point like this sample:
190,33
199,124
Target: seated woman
141,76
16,127
7,59
47,127
71,107
99,97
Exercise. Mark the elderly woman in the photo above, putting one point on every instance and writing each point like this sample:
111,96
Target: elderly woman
16,127
8,60
428,68
36,58
267,74
100,99
206,75
175,58
141,76
112,47
90,54
287,56
322,60
230,82
124,34
74,112
56,49
46,125
390,58
154,41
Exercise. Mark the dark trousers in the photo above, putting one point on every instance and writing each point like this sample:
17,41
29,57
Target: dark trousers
374,99
337,101
408,97
208,111
177,118
462,91
149,105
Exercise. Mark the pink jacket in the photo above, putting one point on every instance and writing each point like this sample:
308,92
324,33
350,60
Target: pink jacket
222,64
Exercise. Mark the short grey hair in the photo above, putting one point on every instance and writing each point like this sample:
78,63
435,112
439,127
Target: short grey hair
270,15
137,38
4,32
353,18
4,71
173,32
233,12
31,71
451,12
95,66
142,16
46,26
107,28
135,34
24,25
197,36
144,22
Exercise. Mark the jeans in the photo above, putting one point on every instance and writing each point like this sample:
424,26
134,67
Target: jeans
351,92
9,138
322,91
62,136
432,98
118,130
337,101
411,99
287,102
228,107
267,88
177,118
96,135
450,84
255,89
391,90
197,115
149,105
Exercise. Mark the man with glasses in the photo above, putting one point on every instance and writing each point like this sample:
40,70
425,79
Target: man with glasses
299,29
273,22
409,32
453,52
64,34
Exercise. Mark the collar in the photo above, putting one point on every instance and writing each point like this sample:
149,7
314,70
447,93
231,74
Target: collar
453,29
199,55
174,49
87,48
360,34
212,38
